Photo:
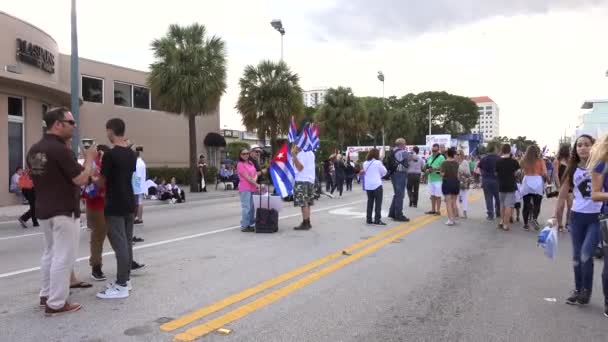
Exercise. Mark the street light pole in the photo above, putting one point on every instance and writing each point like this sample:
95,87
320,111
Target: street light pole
381,78
75,81
278,25
430,120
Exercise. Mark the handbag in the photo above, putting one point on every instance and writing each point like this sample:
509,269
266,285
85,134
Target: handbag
266,220
364,174
551,191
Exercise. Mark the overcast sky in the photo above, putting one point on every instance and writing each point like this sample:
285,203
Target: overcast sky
538,59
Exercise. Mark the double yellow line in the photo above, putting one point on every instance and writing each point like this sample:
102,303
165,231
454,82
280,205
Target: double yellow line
376,242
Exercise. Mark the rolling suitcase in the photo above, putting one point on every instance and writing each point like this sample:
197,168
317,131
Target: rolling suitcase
266,219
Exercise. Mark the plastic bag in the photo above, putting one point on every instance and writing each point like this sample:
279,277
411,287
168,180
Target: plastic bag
547,239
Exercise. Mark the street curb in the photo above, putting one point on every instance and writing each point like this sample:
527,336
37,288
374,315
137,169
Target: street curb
149,203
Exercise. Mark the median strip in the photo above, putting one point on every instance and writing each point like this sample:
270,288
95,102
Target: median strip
244,310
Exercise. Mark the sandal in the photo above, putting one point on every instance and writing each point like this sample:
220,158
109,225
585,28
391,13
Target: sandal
81,285
506,228
561,229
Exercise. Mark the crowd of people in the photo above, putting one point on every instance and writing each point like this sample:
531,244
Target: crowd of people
112,182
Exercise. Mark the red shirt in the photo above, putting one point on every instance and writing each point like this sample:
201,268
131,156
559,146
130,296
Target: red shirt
97,202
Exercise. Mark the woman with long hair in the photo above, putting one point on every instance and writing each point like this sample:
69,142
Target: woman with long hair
533,185
599,192
561,164
584,219
372,173
248,177
450,186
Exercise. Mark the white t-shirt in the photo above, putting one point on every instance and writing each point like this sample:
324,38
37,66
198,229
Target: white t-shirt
374,171
139,178
307,159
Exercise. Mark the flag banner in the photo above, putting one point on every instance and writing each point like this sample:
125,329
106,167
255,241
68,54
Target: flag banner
293,131
302,140
282,172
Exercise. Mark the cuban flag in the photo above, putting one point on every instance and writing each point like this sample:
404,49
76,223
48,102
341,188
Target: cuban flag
302,140
544,152
293,131
313,137
282,172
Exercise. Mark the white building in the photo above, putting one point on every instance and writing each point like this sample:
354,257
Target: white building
489,118
314,97
593,121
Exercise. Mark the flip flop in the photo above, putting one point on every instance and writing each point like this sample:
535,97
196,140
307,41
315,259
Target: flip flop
81,285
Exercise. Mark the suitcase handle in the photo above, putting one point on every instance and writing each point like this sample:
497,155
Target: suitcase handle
261,197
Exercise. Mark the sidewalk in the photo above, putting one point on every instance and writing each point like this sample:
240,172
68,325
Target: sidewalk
12,212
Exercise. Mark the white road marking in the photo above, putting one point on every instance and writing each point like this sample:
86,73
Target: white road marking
183,238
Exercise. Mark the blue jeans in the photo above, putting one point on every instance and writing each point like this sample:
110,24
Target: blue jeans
585,233
490,192
399,180
247,212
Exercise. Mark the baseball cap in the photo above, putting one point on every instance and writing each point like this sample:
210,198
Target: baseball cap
256,147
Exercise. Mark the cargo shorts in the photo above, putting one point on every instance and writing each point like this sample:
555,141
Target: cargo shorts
303,194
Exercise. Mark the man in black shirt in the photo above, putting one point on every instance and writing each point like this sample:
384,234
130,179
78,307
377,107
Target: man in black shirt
117,167
487,165
506,167
57,177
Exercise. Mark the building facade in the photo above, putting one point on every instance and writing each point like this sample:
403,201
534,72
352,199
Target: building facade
35,76
489,118
314,97
594,120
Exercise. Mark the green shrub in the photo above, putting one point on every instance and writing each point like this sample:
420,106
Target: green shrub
234,148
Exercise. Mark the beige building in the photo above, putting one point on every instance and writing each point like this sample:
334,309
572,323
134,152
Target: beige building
34,76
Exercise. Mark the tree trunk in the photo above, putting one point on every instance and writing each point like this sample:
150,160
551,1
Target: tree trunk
194,186
273,139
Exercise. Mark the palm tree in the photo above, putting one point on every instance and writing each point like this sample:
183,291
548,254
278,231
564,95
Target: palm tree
189,78
340,114
270,95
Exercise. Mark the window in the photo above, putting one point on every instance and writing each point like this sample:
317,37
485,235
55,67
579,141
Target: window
15,106
489,108
15,134
92,89
122,94
141,97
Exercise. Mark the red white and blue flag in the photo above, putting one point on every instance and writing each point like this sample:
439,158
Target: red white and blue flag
313,137
308,140
293,131
282,172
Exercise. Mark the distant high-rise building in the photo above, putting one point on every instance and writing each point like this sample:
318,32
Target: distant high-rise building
489,115
314,97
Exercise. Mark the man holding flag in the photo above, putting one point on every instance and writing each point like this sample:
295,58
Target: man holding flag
303,191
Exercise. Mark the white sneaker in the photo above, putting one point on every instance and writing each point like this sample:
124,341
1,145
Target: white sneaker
114,292
129,286
449,223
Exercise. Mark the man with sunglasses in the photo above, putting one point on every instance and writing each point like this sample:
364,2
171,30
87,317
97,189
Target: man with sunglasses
57,177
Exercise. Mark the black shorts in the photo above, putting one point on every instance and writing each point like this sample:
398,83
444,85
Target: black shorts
450,186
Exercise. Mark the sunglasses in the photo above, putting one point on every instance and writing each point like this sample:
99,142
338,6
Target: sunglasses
71,122
244,154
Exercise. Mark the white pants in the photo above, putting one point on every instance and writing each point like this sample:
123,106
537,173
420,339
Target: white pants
463,198
61,234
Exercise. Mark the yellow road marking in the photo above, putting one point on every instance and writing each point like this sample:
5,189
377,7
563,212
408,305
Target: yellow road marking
244,310
235,298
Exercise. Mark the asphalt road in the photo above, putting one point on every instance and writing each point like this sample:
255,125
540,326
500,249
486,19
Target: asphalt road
341,281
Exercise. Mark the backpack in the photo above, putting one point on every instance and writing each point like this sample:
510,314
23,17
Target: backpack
391,163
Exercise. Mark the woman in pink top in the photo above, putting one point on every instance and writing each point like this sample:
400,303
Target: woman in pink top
247,185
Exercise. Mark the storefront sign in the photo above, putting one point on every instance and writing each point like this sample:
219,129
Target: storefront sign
35,55
440,139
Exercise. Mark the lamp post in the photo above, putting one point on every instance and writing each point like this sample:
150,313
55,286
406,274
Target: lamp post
428,101
381,79
278,25
75,81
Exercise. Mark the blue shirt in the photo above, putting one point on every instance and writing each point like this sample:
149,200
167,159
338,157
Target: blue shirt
600,169
487,165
